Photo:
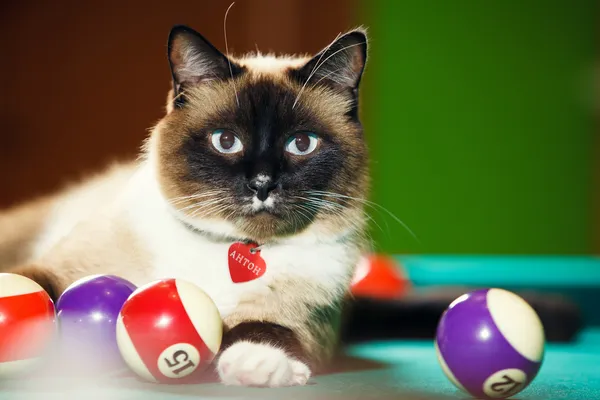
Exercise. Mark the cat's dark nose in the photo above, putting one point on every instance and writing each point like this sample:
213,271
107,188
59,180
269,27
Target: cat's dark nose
262,187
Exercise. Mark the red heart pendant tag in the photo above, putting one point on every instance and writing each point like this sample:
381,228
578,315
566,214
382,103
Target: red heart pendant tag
245,263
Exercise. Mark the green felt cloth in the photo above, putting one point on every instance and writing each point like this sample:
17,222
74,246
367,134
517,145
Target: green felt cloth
569,371
382,370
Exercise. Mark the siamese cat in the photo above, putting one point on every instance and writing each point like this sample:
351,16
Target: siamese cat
251,186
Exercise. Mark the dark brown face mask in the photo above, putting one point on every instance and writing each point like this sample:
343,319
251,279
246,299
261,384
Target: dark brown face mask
272,151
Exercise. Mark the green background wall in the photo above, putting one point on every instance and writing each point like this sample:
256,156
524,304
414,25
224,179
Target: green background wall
479,119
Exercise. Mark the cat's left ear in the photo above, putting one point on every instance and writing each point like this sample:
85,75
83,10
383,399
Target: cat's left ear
340,64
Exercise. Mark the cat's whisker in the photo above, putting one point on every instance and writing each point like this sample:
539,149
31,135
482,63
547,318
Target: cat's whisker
209,209
294,220
179,202
366,203
319,201
316,197
201,204
315,208
205,209
302,217
344,201
234,209
308,205
308,217
200,210
227,53
368,217
338,212
180,199
223,208
330,208
339,209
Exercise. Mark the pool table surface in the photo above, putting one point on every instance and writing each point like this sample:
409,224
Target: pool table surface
374,370
400,369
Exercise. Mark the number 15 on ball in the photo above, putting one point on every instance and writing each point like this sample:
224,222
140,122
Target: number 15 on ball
169,331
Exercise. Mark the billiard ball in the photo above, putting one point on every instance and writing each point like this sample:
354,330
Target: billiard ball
490,343
168,331
87,313
379,276
27,324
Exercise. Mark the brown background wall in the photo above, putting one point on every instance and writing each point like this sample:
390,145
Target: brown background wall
81,82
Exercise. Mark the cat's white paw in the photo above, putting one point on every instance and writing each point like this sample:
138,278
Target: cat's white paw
253,364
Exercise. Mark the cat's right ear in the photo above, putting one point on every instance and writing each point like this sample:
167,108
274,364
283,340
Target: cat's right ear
194,60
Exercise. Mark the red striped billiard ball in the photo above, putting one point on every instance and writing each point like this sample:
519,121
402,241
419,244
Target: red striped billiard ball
27,324
379,276
169,331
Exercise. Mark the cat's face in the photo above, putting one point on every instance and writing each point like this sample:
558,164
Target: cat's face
262,151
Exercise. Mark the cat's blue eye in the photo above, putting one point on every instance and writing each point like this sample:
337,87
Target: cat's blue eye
226,141
302,143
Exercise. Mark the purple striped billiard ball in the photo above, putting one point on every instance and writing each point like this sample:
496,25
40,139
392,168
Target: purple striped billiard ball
87,313
490,343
